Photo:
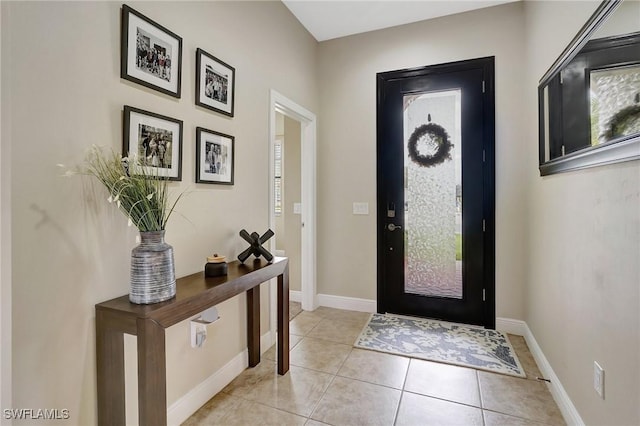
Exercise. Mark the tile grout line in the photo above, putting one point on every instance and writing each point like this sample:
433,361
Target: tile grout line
480,391
333,374
480,395
404,383
332,377
325,391
445,400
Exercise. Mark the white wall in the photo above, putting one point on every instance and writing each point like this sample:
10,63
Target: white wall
347,154
71,249
583,292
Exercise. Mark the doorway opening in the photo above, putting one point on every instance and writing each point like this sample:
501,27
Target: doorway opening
287,193
302,122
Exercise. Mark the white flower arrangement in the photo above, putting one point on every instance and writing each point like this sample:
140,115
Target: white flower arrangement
141,195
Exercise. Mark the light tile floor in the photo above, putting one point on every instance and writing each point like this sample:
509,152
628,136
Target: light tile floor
330,382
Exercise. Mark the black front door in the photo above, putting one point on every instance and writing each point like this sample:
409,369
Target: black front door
435,169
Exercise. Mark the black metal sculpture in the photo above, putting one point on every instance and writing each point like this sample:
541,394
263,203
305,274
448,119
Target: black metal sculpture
256,248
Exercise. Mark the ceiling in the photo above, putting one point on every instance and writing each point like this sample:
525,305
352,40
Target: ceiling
330,19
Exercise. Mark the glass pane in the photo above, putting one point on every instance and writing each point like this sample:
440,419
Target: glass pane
615,103
277,184
433,194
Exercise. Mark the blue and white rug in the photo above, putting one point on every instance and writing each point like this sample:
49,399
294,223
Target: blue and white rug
432,340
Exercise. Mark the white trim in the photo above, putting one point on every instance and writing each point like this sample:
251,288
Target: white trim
350,303
191,402
520,328
184,407
568,410
307,119
267,340
511,326
295,296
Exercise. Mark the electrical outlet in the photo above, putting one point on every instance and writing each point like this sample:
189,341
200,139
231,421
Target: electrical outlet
598,379
361,208
198,333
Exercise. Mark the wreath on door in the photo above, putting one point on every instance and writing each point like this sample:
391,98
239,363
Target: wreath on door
437,135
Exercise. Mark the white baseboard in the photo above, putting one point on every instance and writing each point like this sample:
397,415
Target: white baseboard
350,303
295,296
266,341
511,326
520,328
184,407
189,403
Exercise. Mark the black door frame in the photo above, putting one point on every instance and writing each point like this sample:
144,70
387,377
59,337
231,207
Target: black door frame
487,65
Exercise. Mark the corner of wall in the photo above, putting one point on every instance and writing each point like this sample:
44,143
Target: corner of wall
520,328
560,395
191,402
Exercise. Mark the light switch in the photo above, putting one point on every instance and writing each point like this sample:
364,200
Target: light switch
297,208
361,208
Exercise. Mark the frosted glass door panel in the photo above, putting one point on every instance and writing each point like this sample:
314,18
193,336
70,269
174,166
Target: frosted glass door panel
433,194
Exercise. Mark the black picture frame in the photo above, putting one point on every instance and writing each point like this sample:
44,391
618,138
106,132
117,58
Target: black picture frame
210,169
215,83
153,67
155,141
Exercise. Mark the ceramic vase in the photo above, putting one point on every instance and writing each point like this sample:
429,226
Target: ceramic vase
153,277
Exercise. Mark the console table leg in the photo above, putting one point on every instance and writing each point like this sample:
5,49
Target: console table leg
283,322
110,372
152,376
253,325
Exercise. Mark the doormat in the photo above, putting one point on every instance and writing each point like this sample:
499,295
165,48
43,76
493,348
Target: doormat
431,340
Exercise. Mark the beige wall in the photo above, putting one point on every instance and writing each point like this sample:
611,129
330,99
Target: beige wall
288,224
292,194
70,248
567,245
5,239
583,292
347,153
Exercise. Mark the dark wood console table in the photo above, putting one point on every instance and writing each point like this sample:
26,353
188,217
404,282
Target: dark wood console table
194,294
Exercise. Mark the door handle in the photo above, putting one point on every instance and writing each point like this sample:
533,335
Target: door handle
393,227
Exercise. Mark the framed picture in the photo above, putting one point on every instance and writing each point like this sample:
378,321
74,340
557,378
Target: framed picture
214,157
155,140
215,83
150,54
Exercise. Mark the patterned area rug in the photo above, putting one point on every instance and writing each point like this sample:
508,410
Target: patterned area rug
463,345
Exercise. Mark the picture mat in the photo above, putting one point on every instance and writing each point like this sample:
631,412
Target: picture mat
134,23
223,71
136,119
205,174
